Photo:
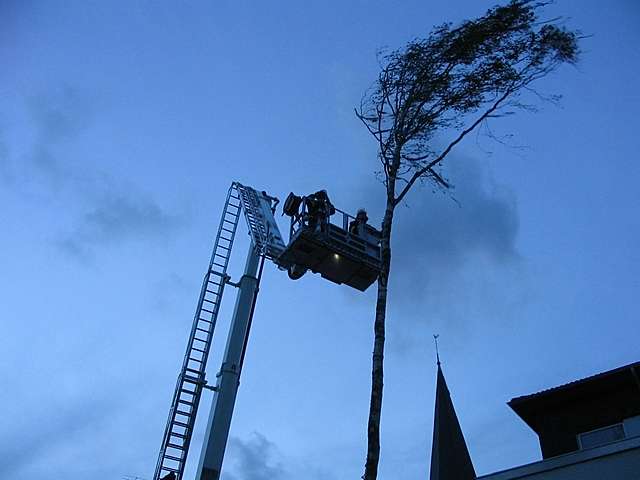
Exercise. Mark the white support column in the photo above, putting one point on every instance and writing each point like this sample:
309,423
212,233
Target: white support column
224,400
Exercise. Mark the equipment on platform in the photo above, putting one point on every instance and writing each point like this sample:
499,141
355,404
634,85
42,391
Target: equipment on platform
323,239
328,241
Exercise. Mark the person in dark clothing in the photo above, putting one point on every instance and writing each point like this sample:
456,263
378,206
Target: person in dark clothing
356,226
319,209
169,476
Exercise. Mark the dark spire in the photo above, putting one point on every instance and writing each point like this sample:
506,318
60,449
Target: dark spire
450,458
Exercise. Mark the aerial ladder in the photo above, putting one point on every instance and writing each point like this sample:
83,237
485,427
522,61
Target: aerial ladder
322,239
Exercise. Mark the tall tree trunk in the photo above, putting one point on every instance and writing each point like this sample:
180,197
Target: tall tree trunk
377,371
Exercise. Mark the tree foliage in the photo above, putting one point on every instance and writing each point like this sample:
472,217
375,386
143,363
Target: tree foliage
436,83
453,80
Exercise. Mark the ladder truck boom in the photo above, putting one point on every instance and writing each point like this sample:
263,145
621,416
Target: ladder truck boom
343,249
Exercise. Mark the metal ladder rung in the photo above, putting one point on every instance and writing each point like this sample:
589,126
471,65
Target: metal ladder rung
191,359
177,447
198,350
179,435
181,424
175,459
179,401
192,370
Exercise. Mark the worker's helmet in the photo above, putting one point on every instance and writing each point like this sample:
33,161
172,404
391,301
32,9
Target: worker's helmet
362,214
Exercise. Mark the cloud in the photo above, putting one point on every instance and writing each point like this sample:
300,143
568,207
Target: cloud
38,436
105,211
116,219
60,113
254,459
436,236
57,116
454,253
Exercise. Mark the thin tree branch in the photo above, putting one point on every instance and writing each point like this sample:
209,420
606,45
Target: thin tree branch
438,178
446,151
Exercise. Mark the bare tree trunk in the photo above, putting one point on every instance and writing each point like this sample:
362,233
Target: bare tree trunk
377,371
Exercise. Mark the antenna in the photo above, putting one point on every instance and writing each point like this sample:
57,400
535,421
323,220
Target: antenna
435,340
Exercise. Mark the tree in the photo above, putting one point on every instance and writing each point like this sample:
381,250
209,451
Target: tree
454,80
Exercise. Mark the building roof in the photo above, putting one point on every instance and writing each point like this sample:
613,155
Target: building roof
562,414
590,379
528,406
450,459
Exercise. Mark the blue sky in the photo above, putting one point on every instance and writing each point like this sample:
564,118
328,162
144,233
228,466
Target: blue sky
122,125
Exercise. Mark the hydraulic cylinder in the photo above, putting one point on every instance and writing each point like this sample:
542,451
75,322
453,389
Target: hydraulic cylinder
228,379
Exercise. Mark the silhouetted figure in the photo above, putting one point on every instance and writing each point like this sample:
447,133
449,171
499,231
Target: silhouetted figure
169,476
356,227
319,209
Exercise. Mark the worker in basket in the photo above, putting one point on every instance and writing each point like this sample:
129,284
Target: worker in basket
356,227
319,209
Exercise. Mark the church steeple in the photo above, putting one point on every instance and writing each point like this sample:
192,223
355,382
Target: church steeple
450,459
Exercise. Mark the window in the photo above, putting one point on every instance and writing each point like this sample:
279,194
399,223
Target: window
632,426
602,436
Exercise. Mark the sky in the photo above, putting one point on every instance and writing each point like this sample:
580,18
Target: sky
122,125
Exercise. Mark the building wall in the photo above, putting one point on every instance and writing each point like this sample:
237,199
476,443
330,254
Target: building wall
616,461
